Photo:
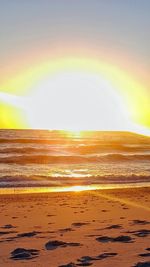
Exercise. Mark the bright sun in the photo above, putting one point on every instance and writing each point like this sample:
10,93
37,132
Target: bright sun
75,94
75,101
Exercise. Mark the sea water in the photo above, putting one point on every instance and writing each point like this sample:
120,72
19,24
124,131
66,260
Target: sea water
54,160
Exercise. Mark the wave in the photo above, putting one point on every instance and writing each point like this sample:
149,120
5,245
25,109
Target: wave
69,148
50,159
42,180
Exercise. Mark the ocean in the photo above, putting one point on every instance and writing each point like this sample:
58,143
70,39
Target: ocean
58,160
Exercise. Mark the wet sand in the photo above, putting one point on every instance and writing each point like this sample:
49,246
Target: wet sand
92,228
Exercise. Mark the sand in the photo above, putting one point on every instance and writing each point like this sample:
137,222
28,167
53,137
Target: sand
93,228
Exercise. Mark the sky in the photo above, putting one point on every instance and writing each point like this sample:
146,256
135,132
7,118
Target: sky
108,40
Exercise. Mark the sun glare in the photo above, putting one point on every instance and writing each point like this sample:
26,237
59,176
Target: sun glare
75,94
74,134
79,188
75,101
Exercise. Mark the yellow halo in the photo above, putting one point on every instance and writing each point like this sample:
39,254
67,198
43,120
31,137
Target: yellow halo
135,96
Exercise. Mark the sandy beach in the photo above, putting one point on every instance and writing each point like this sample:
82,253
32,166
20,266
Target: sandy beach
92,228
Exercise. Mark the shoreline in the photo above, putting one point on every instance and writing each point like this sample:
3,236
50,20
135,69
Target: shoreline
76,188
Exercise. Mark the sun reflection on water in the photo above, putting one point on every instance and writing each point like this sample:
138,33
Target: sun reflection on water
75,188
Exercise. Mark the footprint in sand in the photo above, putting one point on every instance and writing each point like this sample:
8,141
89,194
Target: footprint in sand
28,234
140,233
122,239
114,226
8,226
144,254
7,232
71,264
88,260
140,222
24,254
142,264
51,245
79,224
